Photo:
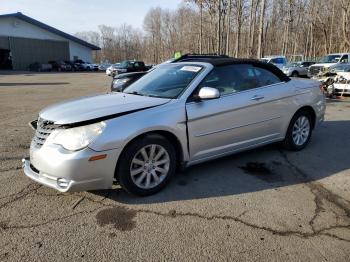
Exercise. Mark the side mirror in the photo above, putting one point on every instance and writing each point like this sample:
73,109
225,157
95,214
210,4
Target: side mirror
207,93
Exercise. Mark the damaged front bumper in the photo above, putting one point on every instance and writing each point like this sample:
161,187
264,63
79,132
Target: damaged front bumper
68,172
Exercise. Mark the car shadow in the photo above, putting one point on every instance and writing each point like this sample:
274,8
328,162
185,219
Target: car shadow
265,168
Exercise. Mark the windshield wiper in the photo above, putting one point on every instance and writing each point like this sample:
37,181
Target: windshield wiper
136,93
156,96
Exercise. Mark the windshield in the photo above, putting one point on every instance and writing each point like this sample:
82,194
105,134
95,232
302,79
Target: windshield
265,60
330,59
166,81
124,64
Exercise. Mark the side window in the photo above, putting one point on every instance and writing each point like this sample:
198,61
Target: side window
344,59
231,78
136,65
265,77
277,60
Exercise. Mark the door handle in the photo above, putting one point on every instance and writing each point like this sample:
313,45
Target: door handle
257,97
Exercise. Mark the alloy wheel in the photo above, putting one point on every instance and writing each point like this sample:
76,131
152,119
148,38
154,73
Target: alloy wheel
150,166
301,130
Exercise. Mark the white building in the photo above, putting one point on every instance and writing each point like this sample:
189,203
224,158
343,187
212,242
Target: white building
24,40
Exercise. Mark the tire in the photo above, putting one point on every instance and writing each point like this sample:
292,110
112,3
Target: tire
295,74
291,141
132,160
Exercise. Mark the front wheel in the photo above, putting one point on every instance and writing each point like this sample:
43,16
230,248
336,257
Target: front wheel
295,74
299,131
146,165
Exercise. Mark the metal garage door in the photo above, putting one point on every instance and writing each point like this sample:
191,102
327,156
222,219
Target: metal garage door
26,51
4,42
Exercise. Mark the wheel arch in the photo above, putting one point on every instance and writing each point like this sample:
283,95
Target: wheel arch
311,111
171,137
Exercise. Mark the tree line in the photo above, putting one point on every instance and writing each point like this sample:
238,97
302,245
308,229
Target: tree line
239,28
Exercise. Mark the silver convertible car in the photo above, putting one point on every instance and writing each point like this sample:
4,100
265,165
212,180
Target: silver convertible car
191,110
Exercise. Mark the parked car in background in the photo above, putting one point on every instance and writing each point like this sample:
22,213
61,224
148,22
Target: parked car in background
179,114
103,66
342,80
279,61
336,81
327,62
129,66
86,65
74,66
297,69
60,66
92,67
111,68
120,82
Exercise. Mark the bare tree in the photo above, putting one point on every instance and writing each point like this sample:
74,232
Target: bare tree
261,28
242,28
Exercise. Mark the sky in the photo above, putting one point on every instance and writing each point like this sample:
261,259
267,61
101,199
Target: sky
73,16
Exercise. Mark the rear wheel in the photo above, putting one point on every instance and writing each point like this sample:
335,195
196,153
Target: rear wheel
299,131
295,74
146,165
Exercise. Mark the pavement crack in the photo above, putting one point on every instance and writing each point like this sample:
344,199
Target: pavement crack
21,194
174,214
320,194
5,226
319,191
77,202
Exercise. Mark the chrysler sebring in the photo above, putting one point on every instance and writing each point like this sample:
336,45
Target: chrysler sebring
191,110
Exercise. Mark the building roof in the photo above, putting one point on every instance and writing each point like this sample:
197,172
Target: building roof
51,29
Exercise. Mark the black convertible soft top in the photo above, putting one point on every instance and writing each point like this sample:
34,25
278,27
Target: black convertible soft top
222,60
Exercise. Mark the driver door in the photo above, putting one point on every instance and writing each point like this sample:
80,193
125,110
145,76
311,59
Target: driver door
246,114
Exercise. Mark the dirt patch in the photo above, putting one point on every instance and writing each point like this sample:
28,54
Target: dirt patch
121,218
172,213
261,171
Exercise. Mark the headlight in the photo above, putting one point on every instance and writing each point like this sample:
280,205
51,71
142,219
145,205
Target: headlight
119,83
77,138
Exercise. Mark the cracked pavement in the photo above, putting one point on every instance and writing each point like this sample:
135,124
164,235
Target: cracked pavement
267,204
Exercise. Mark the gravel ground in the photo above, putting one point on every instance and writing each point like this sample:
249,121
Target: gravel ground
263,205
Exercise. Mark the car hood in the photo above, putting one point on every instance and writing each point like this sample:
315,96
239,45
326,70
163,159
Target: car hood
324,64
98,106
346,75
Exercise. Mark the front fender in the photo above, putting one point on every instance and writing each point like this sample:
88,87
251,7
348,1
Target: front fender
121,130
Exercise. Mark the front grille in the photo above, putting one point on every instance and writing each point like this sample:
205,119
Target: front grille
43,130
314,70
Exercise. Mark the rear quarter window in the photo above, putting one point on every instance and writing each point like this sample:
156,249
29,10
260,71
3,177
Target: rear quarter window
265,77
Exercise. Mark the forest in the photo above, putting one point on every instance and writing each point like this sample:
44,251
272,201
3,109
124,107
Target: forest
239,28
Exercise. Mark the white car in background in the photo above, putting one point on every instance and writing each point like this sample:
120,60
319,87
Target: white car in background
327,63
110,70
279,61
103,66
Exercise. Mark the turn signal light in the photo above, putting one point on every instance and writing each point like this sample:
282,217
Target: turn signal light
98,157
